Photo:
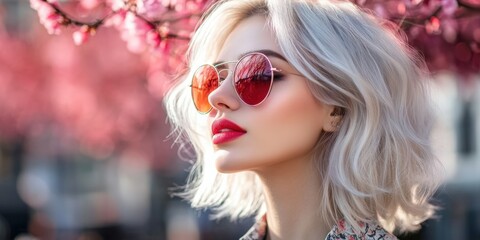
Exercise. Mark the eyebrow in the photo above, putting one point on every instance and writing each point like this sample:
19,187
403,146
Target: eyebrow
267,52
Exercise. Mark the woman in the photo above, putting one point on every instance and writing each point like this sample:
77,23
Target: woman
310,115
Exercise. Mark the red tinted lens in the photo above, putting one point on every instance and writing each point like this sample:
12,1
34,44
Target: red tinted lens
204,81
253,78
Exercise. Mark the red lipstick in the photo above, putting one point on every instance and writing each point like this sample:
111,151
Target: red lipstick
224,131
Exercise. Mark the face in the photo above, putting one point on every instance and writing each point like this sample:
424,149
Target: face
284,127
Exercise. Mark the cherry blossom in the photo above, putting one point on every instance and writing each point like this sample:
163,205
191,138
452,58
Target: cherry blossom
48,15
81,36
77,92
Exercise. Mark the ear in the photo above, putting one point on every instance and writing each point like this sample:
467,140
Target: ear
334,119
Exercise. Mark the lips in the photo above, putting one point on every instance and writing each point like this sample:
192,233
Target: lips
224,131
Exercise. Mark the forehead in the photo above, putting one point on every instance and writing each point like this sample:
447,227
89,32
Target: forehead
249,35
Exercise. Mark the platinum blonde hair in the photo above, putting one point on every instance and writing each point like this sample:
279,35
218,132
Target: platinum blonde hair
379,164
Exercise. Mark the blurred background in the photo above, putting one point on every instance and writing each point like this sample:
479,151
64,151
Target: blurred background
85,151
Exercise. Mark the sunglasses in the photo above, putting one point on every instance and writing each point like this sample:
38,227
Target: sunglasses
252,80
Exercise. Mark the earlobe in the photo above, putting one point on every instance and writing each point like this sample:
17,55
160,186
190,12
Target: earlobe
336,118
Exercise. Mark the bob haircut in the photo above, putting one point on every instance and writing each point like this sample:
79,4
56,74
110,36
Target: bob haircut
378,165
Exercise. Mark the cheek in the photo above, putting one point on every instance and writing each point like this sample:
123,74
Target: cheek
289,125
285,127
281,130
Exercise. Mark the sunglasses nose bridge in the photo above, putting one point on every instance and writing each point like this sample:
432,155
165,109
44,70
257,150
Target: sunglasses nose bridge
224,96
223,74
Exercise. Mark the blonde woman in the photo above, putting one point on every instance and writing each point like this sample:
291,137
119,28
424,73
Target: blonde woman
310,115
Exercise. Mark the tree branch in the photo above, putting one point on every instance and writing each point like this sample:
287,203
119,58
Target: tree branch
131,7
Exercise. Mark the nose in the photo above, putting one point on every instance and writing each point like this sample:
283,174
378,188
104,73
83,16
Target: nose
224,97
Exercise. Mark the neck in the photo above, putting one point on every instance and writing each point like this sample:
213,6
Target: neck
292,195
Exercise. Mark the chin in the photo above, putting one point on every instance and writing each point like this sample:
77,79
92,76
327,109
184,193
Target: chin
226,164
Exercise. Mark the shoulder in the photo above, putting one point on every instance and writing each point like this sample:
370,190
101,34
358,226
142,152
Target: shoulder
370,231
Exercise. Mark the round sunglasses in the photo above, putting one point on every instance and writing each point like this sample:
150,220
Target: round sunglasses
252,80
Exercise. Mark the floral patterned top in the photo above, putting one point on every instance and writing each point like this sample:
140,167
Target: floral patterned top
341,230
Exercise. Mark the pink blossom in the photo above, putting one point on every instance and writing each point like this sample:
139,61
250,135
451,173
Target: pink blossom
179,5
184,6
410,3
433,25
199,5
116,4
184,34
90,4
135,32
153,38
35,4
135,25
45,11
168,3
48,15
116,19
380,11
361,2
150,8
401,8
449,6
165,30
449,30
81,36
165,46
53,24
